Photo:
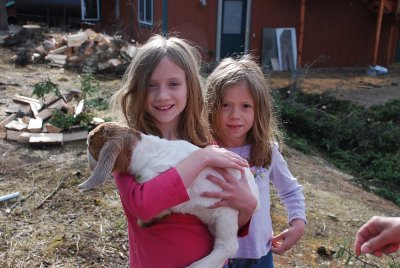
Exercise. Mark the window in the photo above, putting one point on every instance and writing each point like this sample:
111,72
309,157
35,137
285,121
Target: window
233,17
90,10
145,12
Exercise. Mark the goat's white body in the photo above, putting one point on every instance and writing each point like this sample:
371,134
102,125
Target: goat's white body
153,156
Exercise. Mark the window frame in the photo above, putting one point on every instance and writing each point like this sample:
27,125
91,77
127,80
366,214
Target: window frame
145,20
83,9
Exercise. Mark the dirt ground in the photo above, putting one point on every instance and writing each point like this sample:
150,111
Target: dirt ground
52,224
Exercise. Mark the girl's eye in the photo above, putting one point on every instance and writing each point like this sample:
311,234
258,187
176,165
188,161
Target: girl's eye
151,85
225,105
246,106
174,84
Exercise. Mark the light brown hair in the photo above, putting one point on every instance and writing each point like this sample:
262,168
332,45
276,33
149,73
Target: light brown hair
265,130
129,100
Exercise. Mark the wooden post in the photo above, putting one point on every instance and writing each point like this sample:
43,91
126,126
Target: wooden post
378,31
391,47
301,33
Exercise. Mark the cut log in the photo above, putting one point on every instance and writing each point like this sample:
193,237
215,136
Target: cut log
34,104
57,58
17,108
46,138
72,93
46,113
79,107
6,121
35,125
91,34
27,100
25,137
97,121
16,125
75,40
74,136
26,119
13,135
60,50
35,108
52,129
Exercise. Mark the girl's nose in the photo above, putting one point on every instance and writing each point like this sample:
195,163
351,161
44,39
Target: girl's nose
235,113
162,93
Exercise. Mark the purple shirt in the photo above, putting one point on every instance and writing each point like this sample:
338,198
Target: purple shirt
257,243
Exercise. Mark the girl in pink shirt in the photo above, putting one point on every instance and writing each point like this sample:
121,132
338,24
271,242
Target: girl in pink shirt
161,95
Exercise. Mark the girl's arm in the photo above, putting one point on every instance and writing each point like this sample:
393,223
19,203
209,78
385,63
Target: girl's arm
168,189
291,194
287,187
147,200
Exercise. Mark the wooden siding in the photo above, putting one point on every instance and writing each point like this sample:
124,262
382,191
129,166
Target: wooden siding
193,22
343,30
271,14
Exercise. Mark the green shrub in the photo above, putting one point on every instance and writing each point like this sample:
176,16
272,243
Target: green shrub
45,87
88,85
66,121
364,142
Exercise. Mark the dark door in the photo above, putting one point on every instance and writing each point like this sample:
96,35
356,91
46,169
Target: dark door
233,27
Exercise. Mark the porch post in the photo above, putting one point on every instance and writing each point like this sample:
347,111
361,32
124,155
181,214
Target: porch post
378,31
301,33
165,17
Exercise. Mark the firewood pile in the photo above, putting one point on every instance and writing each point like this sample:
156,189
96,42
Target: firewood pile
28,119
85,49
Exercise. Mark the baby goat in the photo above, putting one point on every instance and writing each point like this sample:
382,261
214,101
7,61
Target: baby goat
114,147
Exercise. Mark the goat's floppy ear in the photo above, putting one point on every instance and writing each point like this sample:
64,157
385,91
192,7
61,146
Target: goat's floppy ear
104,167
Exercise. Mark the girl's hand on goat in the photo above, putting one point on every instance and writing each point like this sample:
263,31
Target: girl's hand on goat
217,157
235,194
211,156
285,240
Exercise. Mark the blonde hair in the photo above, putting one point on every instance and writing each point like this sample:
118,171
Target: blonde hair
129,100
265,130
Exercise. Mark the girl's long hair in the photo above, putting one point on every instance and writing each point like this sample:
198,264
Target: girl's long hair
265,129
129,101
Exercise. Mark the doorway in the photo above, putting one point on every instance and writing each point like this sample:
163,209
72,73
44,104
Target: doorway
234,21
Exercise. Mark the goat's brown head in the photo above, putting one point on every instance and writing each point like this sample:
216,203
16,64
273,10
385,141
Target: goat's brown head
111,145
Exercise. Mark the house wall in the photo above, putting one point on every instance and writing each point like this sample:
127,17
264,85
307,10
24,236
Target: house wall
196,23
271,14
343,30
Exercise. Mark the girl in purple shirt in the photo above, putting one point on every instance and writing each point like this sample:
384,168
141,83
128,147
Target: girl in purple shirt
242,120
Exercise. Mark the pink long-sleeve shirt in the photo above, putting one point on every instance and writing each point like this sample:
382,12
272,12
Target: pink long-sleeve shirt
174,241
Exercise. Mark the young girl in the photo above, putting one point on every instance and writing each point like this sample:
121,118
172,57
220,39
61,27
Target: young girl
161,95
242,120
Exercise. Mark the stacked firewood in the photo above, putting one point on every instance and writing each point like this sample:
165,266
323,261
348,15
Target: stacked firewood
28,119
85,50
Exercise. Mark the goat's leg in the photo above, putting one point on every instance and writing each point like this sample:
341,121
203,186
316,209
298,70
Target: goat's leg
225,239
